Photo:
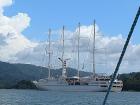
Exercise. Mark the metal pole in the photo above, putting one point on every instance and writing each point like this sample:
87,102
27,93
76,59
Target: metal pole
122,54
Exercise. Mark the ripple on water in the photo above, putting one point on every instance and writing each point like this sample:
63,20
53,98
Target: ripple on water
33,97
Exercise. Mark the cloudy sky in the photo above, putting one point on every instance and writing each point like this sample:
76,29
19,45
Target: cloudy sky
24,26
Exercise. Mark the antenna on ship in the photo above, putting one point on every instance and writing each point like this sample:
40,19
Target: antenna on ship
49,53
94,52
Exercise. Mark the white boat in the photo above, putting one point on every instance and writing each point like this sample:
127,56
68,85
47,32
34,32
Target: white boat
76,84
63,85
117,86
93,83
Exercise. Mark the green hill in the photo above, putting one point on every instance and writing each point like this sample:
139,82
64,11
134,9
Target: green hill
10,74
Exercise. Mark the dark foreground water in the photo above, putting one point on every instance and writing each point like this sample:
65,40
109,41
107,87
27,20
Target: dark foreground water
33,97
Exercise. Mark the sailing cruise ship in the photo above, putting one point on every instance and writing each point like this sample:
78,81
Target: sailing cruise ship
92,83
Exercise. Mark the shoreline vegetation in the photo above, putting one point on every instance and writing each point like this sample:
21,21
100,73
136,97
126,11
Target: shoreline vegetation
24,84
20,76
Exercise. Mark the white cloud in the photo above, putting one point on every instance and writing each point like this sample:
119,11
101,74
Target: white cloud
20,22
12,40
4,3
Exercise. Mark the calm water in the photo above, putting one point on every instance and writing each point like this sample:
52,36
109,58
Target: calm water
32,97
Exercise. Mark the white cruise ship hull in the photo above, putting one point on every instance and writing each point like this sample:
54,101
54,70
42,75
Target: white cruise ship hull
116,89
61,85
54,85
72,88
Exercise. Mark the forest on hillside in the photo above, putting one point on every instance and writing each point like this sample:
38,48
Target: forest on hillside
11,74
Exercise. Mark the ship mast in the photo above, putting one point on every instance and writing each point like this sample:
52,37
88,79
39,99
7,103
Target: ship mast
63,44
94,52
49,53
63,60
78,74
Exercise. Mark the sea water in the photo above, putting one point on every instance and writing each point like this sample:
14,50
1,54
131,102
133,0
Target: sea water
35,97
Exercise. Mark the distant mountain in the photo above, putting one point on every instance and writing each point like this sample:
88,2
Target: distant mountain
10,74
